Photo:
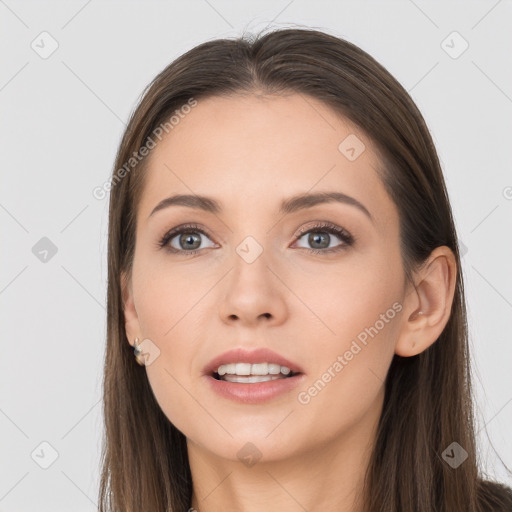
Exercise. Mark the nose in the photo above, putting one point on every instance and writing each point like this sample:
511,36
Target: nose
253,294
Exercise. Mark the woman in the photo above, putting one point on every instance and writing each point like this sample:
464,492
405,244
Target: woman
284,264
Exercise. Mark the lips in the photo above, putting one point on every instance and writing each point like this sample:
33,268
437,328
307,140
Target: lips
242,355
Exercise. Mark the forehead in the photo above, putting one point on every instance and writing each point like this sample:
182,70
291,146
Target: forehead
253,151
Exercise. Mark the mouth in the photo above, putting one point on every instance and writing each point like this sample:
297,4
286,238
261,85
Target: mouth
252,373
252,387
252,376
259,362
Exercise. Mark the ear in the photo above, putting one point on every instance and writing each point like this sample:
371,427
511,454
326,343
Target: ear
131,319
428,303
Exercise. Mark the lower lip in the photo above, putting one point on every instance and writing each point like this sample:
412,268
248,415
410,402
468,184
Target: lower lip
254,393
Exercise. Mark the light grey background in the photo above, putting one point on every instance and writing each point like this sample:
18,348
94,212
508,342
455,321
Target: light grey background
61,121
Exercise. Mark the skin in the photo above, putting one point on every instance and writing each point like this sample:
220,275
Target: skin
249,153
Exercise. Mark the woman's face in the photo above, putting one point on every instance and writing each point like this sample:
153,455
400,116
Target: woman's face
252,284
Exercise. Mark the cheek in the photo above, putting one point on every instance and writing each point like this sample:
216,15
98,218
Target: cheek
165,294
166,310
341,301
351,344
168,302
346,384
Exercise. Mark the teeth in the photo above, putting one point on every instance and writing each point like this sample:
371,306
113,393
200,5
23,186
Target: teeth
252,378
257,369
243,369
274,369
226,368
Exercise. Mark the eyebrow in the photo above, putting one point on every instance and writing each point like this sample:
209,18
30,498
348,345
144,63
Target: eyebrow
288,206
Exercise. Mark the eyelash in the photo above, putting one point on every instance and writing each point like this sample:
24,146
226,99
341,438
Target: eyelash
327,227
324,227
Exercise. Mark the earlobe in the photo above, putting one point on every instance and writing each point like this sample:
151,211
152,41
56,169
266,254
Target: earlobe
428,304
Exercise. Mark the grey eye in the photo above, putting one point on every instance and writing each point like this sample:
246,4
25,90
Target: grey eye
187,241
318,239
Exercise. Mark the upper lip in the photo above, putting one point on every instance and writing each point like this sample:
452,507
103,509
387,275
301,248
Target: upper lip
243,355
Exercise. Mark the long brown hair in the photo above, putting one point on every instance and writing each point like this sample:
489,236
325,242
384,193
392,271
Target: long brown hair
428,397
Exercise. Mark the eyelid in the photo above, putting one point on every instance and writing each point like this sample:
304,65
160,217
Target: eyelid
347,238
177,230
329,226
